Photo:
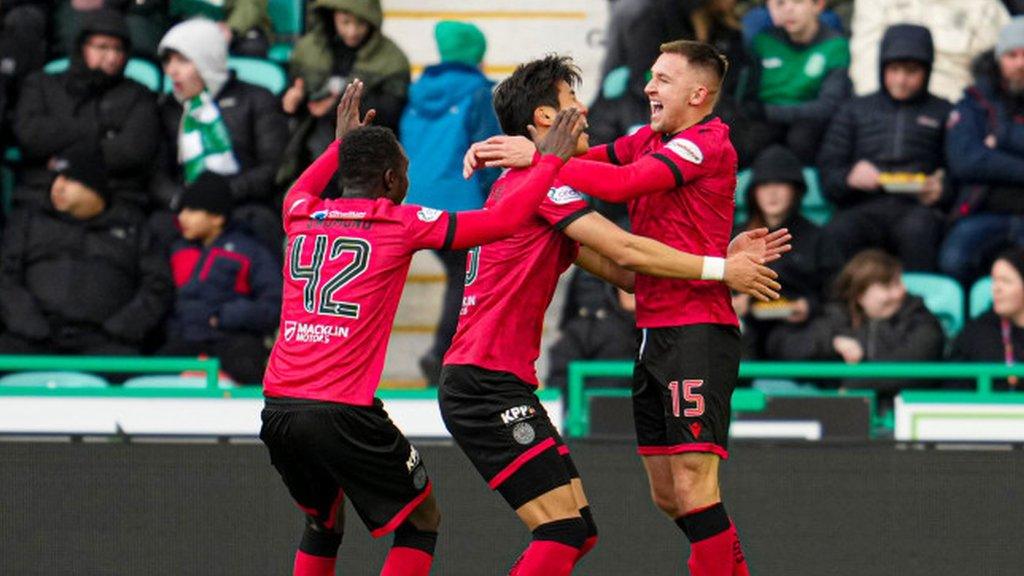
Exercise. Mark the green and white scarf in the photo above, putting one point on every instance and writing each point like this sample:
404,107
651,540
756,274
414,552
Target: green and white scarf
204,142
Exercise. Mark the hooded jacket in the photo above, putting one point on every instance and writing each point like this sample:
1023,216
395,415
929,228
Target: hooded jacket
378,62
895,136
807,269
252,115
102,274
56,111
449,109
235,279
989,179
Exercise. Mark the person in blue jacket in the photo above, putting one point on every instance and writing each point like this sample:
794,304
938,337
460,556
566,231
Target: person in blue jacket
449,108
228,285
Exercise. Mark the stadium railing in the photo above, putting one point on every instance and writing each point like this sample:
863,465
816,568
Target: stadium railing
753,400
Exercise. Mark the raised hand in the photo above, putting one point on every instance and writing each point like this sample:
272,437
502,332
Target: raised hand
761,245
744,274
348,110
499,152
563,135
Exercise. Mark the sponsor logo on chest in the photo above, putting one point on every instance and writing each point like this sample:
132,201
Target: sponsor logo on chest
312,333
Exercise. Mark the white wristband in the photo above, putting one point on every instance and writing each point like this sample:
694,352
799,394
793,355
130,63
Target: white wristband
713,269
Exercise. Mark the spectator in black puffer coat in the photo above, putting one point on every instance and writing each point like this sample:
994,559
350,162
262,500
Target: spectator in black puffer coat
901,129
94,104
195,54
777,187
78,277
872,319
22,51
229,285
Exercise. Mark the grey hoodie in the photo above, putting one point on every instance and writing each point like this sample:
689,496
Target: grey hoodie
202,43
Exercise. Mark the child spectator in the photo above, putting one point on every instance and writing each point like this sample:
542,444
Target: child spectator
228,285
997,336
895,133
803,78
91,104
345,42
215,122
985,155
449,109
873,319
962,31
777,187
79,277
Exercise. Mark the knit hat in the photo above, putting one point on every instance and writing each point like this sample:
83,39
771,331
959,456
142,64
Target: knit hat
203,44
210,192
85,165
460,42
103,21
1014,257
1011,37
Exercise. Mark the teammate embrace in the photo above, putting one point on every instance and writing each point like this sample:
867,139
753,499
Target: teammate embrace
349,251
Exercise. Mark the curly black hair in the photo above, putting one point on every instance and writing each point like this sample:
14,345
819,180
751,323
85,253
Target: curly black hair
531,85
364,156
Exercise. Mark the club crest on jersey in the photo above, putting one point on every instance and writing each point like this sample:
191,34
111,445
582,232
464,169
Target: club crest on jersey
428,214
686,150
517,414
564,195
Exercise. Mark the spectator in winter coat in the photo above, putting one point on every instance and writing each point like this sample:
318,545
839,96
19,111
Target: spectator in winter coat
345,42
802,76
873,319
985,155
962,30
997,336
94,104
897,131
79,277
147,22
215,122
22,50
777,187
449,109
229,285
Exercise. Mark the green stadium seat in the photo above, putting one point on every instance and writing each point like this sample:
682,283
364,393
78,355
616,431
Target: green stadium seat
286,16
53,380
142,71
164,381
981,297
814,206
254,71
776,387
942,295
280,53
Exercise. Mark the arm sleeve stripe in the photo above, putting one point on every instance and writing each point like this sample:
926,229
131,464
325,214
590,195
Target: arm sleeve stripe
564,222
449,236
610,150
671,166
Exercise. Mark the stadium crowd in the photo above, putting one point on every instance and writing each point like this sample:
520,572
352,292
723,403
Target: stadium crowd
886,136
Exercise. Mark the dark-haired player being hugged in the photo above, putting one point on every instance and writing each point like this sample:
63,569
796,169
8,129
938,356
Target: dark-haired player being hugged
488,380
348,254
678,176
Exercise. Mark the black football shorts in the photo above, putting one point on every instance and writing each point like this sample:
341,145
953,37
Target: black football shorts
682,388
327,451
500,424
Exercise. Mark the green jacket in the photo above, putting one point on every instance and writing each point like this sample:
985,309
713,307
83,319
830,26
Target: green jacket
380,63
793,73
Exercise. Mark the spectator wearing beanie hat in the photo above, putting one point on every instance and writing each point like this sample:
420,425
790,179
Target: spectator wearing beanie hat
79,277
997,336
228,285
895,132
776,190
92,102
449,109
214,122
985,157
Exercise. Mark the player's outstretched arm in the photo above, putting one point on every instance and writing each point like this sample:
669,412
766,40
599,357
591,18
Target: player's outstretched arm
742,271
317,175
514,152
477,227
601,266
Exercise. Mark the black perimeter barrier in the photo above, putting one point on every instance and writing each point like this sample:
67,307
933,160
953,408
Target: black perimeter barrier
127,508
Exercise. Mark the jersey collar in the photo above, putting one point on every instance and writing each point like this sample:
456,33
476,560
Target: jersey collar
666,138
